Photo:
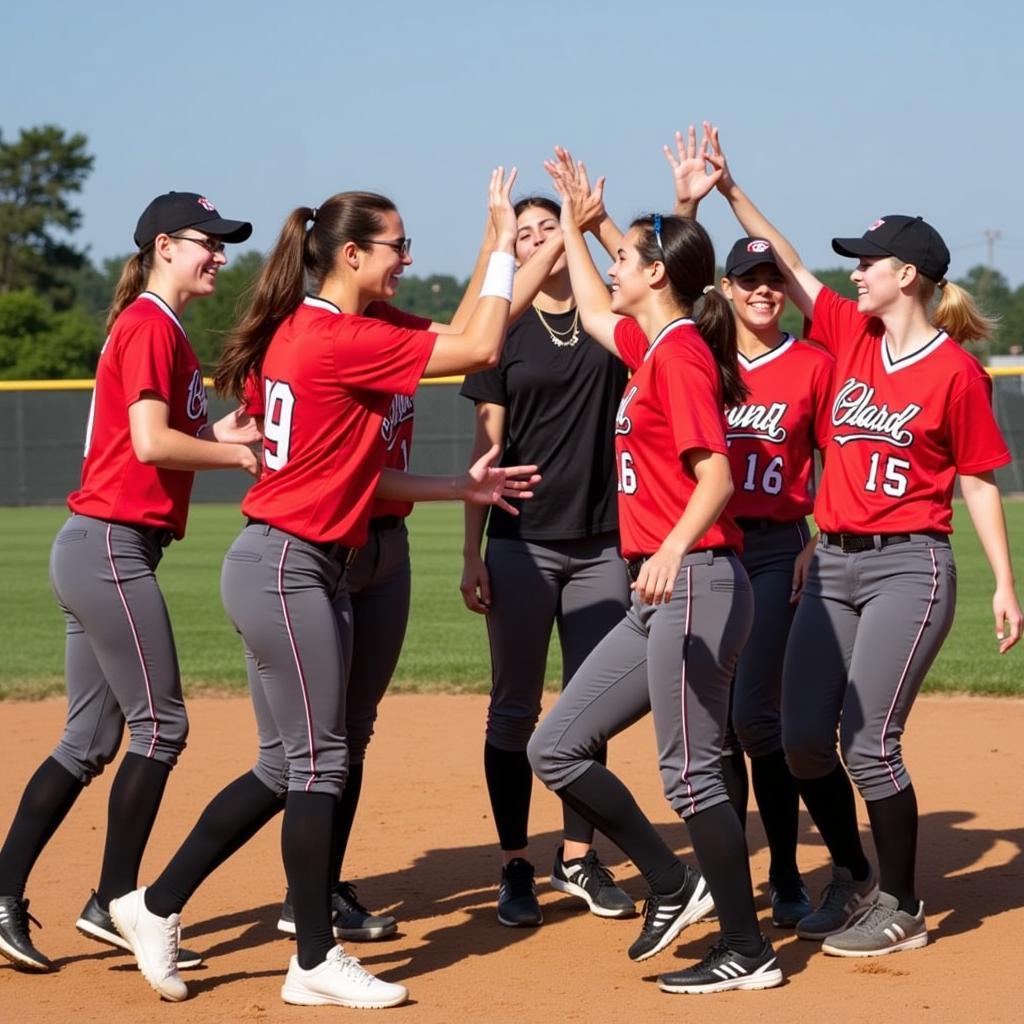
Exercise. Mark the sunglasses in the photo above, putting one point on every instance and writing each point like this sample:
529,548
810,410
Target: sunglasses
402,246
214,246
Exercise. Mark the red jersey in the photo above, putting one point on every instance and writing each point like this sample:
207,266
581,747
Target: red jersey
328,380
147,350
672,404
773,434
901,428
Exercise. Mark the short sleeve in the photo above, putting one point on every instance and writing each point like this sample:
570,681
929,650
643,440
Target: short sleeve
821,396
397,317
252,396
631,342
376,356
836,322
976,442
688,389
147,357
486,386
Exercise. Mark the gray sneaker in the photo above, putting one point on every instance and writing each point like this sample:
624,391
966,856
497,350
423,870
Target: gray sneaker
883,929
842,901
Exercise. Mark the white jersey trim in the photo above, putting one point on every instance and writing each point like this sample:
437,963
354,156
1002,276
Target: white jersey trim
317,303
661,335
766,357
164,308
894,365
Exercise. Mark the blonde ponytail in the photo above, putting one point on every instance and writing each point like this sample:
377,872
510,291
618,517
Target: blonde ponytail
959,316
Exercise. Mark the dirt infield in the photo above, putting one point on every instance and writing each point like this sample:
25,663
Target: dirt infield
424,850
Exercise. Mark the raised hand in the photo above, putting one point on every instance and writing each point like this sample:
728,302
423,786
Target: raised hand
716,158
585,204
499,203
689,166
485,484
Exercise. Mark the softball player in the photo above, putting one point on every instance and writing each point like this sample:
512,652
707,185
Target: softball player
675,650
772,437
327,379
911,411
558,562
147,434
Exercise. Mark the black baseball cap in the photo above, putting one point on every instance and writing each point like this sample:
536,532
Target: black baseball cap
748,253
909,239
176,210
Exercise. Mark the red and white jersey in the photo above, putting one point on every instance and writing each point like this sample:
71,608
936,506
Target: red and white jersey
147,351
772,436
328,381
901,429
672,405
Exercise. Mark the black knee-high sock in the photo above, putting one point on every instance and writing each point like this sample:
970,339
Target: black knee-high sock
721,852
230,820
48,797
509,784
830,803
605,802
778,801
306,851
734,773
131,810
344,816
576,828
894,828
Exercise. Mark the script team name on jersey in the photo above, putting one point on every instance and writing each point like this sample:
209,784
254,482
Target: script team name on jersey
400,412
763,422
623,424
197,401
853,408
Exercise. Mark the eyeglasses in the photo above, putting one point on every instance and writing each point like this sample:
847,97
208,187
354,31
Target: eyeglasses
214,246
402,246
657,234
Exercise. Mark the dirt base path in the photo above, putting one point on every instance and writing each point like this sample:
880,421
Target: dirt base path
424,850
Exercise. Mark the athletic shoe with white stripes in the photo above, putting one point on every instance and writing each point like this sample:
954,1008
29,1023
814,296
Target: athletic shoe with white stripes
882,929
517,896
15,943
587,878
842,902
96,923
723,969
340,980
666,916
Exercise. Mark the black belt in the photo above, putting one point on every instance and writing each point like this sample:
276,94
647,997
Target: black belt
159,535
851,542
332,549
633,566
386,522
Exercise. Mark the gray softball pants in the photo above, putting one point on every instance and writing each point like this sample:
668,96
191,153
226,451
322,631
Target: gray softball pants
289,601
579,585
120,660
769,551
674,659
867,629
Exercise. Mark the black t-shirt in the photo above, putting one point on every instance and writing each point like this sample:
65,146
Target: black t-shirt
560,414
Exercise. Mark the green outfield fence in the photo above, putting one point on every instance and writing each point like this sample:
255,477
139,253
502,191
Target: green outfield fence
42,429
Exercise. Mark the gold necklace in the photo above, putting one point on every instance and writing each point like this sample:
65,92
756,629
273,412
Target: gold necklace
563,339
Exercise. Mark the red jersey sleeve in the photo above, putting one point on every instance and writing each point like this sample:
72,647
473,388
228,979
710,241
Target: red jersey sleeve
146,359
821,396
836,322
398,317
975,440
252,396
631,342
688,388
376,356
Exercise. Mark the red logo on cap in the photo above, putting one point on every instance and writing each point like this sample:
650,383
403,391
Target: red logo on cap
206,204
878,223
758,245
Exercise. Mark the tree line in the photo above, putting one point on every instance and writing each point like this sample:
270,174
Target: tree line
54,298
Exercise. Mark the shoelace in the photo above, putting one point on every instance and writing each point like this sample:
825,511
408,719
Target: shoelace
346,892
718,952
594,868
172,938
21,916
353,969
520,882
875,914
835,895
651,905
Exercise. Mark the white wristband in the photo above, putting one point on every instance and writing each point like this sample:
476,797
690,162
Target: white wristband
501,268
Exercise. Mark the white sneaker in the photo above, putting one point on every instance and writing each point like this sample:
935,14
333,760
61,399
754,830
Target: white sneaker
339,981
154,941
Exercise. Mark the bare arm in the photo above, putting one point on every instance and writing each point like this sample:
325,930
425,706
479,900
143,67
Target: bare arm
714,488
476,582
156,443
689,172
986,510
802,285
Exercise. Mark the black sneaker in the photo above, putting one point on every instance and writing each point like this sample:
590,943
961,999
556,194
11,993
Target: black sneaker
666,916
96,923
517,895
587,878
722,970
350,919
790,902
14,941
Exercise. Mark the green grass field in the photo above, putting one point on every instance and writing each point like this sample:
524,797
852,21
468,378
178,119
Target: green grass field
446,646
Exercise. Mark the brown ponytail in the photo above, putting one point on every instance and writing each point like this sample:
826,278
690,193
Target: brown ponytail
131,284
689,258
300,258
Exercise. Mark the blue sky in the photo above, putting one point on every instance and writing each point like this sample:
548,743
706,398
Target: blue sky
831,114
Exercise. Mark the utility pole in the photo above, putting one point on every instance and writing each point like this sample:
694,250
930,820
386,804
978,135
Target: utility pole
991,237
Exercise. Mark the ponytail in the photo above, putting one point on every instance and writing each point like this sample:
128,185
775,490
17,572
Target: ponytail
958,314
717,327
300,255
131,284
